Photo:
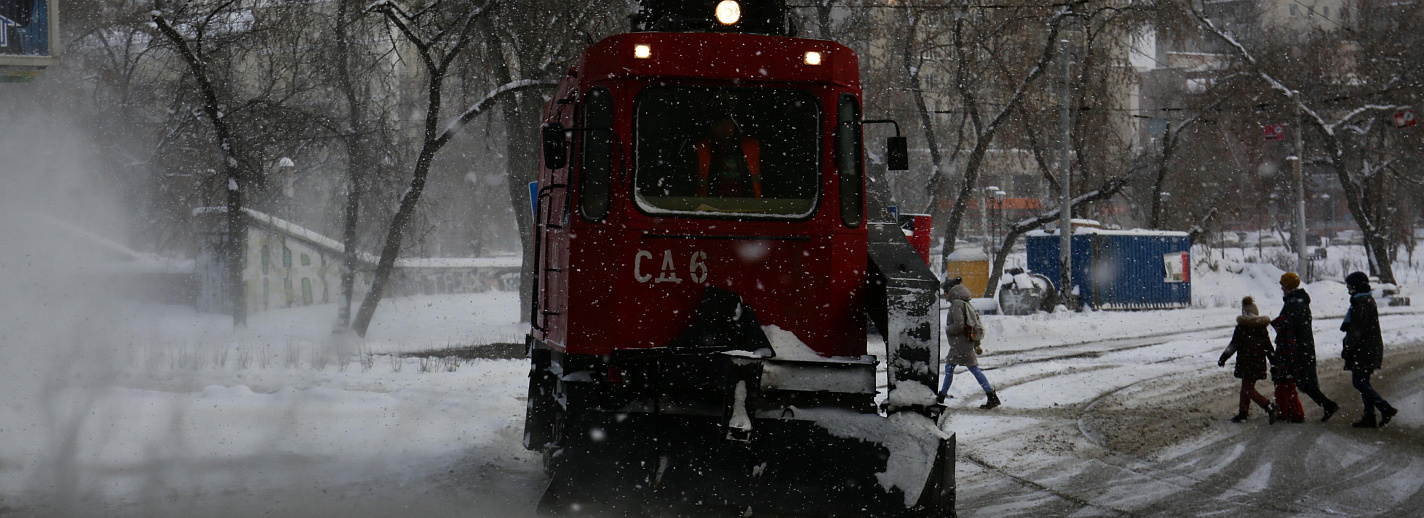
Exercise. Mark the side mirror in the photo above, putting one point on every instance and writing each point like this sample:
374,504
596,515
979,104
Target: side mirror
556,146
897,154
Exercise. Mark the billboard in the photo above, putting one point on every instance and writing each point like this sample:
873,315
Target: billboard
26,27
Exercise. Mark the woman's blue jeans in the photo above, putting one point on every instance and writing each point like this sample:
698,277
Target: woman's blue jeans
973,369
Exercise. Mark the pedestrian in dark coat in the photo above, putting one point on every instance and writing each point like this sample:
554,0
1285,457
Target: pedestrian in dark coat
1364,349
1251,343
1295,343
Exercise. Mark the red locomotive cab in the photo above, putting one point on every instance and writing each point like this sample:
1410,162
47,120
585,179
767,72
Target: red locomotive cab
739,170
705,266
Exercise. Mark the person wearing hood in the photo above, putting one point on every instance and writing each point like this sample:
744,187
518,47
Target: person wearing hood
1364,349
1295,343
1251,344
963,332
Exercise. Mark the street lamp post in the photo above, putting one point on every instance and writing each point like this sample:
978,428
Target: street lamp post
1298,214
287,171
986,243
1065,207
999,196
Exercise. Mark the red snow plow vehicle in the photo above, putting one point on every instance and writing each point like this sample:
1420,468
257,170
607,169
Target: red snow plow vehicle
708,274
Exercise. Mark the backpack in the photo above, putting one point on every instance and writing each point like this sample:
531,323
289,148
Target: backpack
973,327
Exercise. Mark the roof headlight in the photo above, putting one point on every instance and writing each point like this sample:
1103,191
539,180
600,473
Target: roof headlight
729,12
643,51
813,58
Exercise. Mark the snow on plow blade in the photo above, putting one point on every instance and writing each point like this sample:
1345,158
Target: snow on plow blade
841,464
691,432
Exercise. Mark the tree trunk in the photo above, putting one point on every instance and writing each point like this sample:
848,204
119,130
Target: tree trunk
395,236
1375,239
823,18
1001,258
984,133
357,160
235,246
966,190
437,66
351,259
235,250
912,70
522,121
1168,146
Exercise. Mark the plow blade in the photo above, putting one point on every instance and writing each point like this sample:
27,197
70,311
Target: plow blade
664,466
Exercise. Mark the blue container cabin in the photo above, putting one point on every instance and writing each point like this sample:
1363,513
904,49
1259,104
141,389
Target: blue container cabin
1120,269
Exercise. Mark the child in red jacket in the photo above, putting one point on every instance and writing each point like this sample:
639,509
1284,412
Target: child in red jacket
1251,344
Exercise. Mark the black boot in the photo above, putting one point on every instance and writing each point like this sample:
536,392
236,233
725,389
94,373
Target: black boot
1271,409
1386,414
992,402
1368,421
1239,418
1330,408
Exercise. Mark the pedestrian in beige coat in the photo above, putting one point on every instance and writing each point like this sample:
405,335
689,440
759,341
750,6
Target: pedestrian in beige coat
963,332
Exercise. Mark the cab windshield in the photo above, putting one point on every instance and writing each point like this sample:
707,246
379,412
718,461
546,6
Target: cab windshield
727,151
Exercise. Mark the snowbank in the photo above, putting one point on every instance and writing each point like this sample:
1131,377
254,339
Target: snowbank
967,254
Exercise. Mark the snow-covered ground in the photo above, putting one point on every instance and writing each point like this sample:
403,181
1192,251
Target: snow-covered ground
117,408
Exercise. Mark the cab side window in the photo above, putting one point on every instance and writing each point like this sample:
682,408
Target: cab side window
596,160
849,161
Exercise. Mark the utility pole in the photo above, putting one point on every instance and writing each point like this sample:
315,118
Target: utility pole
1065,207
1302,265
984,219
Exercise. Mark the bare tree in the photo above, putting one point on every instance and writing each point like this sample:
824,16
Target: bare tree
536,47
236,166
984,128
1170,140
438,39
1341,112
358,159
913,58
249,66
362,70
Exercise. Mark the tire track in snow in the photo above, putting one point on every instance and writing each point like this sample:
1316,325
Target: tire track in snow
1256,446
1222,481
987,466
1196,488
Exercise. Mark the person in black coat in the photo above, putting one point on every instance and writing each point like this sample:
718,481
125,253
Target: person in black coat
1295,343
1251,344
1364,349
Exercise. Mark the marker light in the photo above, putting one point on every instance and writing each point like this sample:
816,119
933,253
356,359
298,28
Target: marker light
813,58
729,12
642,51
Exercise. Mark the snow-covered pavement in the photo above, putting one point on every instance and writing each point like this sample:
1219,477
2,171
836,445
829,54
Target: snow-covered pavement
140,410
1126,414
1140,428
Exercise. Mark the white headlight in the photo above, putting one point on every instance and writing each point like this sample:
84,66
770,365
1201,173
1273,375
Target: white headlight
642,51
813,58
729,12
